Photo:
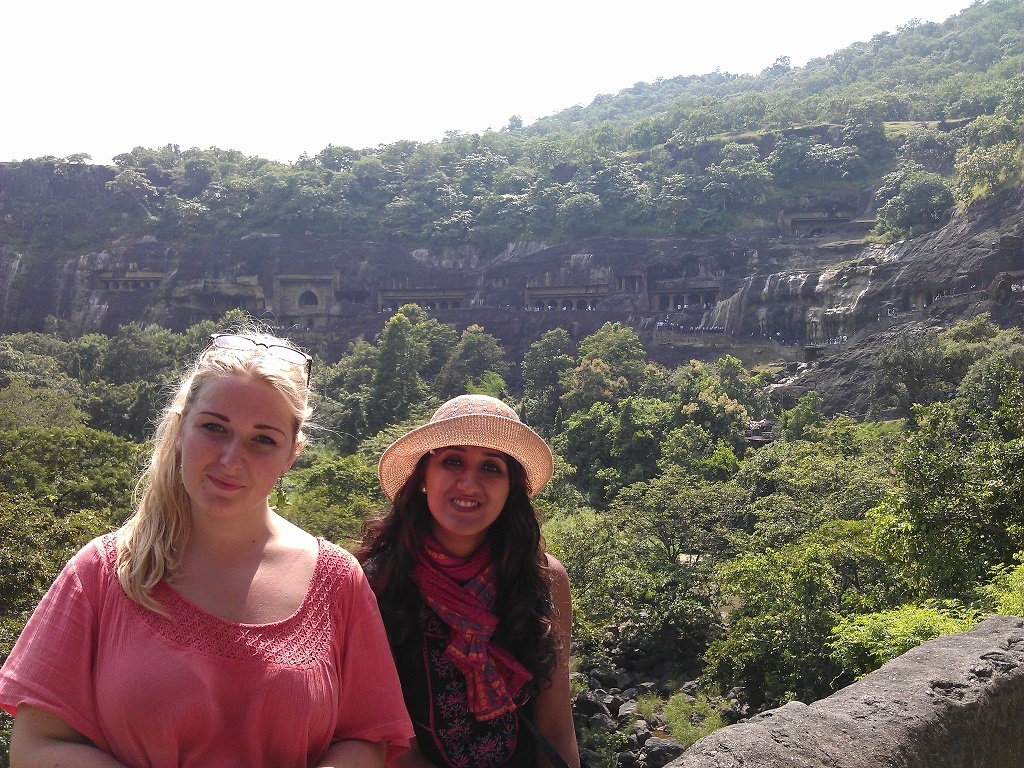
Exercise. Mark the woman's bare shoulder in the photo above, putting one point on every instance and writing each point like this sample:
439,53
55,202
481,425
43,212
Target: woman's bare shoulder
556,568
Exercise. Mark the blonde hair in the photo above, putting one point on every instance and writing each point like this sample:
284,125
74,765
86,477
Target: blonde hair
150,542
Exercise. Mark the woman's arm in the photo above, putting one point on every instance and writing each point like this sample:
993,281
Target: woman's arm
353,754
41,738
553,711
411,758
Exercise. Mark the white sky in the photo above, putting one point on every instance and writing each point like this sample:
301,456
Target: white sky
279,79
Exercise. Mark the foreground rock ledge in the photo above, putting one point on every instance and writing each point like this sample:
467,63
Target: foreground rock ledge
954,702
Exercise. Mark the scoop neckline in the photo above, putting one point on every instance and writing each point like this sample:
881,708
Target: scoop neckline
183,601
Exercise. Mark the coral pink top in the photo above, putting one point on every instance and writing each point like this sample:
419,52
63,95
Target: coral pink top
196,691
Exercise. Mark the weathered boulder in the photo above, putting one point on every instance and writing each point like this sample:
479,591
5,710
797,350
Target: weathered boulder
627,712
658,752
590,703
640,733
602,723
954,702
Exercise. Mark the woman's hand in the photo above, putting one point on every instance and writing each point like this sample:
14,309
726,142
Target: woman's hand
41,738
411,758
354,754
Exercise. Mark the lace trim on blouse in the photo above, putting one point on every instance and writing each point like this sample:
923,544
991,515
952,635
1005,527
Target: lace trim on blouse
302,639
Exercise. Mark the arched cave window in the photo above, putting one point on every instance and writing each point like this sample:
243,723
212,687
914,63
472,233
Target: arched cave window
308,299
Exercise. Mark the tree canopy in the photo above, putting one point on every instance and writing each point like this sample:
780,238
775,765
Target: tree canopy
932,113
775,569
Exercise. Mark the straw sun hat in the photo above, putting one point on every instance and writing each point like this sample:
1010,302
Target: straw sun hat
468,420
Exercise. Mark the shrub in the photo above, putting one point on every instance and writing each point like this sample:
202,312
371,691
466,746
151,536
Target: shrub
1005,593
864,643
689,720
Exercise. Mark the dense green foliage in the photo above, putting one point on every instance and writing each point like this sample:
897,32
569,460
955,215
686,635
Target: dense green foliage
785,571
865,642
931,114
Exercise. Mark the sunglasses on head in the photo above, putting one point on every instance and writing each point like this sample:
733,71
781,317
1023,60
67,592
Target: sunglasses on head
243,343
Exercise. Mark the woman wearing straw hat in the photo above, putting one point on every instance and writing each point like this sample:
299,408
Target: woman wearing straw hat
477,613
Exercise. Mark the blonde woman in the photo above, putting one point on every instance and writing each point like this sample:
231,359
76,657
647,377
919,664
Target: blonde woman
209,631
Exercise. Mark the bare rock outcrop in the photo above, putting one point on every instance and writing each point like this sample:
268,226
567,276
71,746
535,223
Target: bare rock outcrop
954,702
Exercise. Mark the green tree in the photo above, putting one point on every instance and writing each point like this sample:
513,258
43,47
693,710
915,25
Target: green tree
864,128
585,445
739,177
437,338
397,385
925,366
930,148
58,489
622,369
740,385
332,495
795,486
636,438
689,520
863,643
578,214
590,383
823,161
475,356
909,370
986,170
691,448
23,406
544,364
591,551
786,603
955,512
701,399
344,407
136,188
1004,592
912,201
806,413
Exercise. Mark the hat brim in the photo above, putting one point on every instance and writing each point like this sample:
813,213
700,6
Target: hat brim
509,436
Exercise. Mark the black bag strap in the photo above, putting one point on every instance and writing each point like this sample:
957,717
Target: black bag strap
544,744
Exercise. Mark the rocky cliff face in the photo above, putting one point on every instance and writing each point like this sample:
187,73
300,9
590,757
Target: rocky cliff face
820,302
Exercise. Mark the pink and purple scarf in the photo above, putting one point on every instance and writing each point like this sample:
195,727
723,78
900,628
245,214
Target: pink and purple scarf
461,592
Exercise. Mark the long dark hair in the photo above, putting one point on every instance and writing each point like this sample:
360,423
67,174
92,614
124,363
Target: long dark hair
391,546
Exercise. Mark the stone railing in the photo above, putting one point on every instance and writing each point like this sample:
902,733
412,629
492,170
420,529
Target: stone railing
954,702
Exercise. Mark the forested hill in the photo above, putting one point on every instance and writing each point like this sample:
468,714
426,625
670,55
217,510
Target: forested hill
928,117
926,71
667,284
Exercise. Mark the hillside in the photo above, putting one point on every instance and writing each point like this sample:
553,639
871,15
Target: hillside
819,304
769,216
